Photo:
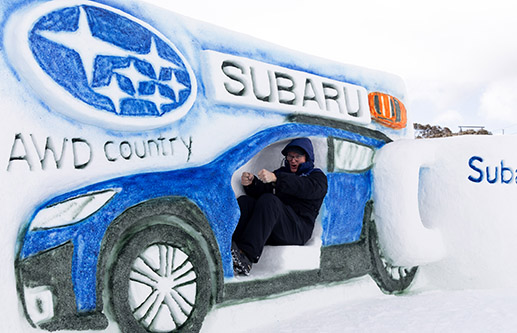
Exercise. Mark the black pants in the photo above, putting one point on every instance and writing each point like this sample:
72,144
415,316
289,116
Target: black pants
267,220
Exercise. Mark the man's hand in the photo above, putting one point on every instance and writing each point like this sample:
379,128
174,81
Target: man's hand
266,176
247,178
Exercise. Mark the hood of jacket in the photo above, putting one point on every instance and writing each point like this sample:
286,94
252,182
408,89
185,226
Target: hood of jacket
306,145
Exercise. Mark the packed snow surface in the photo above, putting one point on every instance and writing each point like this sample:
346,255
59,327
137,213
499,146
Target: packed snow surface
359,306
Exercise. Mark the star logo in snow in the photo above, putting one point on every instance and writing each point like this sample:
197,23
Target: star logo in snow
112,62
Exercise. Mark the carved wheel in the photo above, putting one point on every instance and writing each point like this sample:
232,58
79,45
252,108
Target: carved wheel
391,279
161,282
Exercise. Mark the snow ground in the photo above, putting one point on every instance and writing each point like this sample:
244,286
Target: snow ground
359,306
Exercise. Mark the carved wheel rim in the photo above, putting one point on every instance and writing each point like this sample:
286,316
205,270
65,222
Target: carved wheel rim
162,288
397,273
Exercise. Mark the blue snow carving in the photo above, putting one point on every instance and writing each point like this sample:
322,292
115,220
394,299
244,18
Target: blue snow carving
110,62
346,198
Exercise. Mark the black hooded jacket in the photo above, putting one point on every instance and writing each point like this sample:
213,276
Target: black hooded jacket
303,191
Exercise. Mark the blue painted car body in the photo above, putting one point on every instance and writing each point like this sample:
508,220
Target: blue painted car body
209,187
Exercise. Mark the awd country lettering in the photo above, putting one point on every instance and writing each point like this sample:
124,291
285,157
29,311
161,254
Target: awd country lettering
37,154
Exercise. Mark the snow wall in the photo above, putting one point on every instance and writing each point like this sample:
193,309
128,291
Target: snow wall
465,192
87,115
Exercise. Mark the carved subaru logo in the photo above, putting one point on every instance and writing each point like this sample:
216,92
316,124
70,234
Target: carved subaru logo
100,65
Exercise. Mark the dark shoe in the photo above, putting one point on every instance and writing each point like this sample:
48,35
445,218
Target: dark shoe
241,263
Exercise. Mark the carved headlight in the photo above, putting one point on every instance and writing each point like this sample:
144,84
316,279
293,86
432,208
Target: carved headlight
72,210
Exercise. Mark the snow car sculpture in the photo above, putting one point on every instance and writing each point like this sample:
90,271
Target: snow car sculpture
169,113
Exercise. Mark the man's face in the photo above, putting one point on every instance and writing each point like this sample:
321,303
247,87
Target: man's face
295,160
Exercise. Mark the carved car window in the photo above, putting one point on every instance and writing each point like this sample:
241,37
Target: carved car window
351,157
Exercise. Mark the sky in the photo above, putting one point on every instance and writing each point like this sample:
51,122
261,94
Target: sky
457,57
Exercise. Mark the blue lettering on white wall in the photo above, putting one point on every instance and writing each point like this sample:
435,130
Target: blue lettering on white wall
506,170
478,179
493,174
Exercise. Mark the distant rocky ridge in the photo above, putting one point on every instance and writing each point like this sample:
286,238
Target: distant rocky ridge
433,131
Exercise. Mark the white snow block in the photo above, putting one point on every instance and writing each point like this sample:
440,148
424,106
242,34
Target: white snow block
283,259
405,240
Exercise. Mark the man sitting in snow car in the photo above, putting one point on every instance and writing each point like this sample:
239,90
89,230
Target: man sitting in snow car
279,207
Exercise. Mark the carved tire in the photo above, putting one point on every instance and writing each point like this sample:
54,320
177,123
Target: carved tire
160,282
391,279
